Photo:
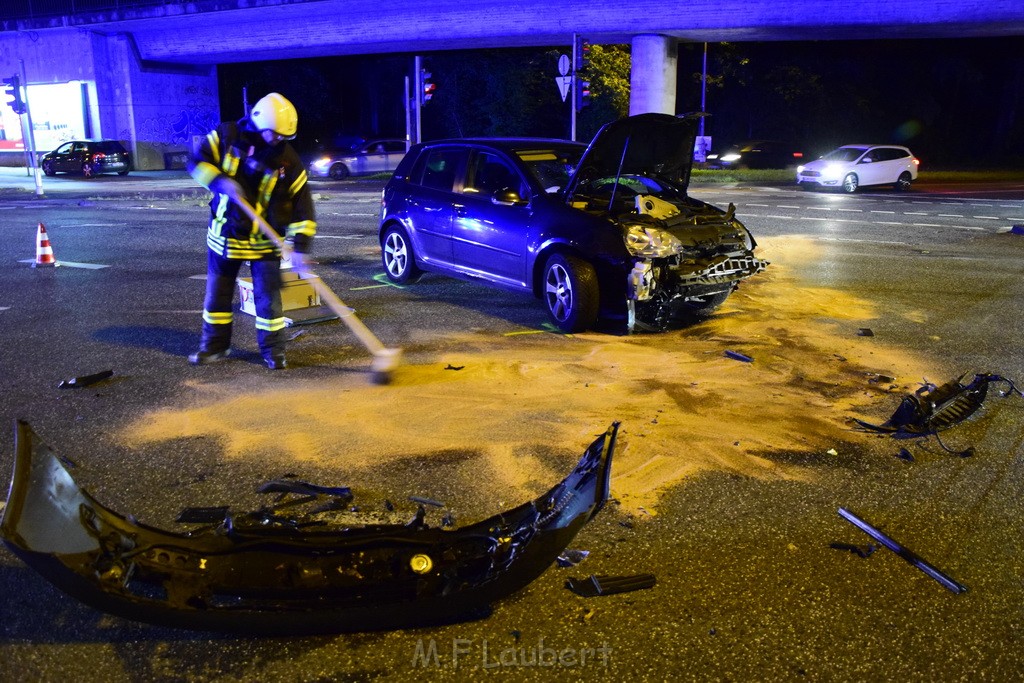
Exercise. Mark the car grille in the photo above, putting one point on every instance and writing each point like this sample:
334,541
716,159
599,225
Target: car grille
811,174
726,269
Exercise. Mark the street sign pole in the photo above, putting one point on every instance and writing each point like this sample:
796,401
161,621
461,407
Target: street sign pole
408,117
30,136
575,84
418,95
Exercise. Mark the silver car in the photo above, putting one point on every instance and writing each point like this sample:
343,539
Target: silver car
367,158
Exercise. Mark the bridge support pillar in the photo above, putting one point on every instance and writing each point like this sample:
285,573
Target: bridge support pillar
653,76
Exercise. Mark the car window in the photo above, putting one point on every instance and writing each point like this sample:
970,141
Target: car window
489,173
109,147
65,148
552,168
80,147
395,146
436,168
844,154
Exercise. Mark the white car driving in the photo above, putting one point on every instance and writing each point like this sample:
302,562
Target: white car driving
853,166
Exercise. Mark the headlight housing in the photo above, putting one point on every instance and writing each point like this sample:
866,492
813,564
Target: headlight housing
650,242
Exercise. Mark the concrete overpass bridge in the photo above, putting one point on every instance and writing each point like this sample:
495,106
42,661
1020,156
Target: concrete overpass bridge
145,70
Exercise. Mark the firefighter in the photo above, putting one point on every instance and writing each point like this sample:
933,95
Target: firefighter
251,160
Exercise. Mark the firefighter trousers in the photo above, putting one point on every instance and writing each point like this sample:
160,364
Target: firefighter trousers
218,307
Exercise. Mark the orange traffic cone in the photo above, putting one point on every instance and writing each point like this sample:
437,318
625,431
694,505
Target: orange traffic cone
44,252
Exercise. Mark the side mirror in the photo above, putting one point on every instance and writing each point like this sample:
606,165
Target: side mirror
507,197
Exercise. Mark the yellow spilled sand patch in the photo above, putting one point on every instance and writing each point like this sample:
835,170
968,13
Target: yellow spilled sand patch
526,405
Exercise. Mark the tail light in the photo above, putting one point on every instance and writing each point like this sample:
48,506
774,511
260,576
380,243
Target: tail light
98,155
798,155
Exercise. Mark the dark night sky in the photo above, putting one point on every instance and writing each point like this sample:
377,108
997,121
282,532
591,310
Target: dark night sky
953,102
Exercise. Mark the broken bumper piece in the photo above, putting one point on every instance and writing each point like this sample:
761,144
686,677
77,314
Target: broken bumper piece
241,576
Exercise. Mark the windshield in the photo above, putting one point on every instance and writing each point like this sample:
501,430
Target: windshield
552,166
844,154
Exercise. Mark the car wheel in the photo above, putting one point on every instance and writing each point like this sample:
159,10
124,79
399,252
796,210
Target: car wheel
850,183
571,293
87,170
903,182
339,172
122,173
398,257
48,168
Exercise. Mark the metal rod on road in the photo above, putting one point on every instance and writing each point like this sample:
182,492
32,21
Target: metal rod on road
905,553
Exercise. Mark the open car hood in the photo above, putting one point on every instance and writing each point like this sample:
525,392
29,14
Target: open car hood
278,571
656,145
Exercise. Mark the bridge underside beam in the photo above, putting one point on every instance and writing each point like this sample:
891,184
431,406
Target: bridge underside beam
220,31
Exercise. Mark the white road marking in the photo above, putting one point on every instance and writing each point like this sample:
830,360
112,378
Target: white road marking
70,264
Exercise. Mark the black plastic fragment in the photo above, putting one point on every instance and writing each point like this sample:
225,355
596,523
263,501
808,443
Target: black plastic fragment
571,558
305,488
85,380
388,505
735,355
861,551
865,332
448,520
426,501
203,515
595,585
453,367
904,454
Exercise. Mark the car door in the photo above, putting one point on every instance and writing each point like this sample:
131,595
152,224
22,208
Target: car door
891,164
395,149
60,157
371,158
489,238
871,167
430,202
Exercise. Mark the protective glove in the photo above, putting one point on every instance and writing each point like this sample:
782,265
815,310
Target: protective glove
228,186
300,263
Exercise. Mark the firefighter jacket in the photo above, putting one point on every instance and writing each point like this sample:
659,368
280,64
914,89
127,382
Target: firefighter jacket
275,184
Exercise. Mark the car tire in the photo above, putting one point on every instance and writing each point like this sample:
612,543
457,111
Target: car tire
850,183
122,173
397,256
338,172
902,183
87,170
48,168
570,293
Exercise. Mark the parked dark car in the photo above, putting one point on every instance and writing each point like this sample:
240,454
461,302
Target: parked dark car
757,154
602,233
87,157
374,156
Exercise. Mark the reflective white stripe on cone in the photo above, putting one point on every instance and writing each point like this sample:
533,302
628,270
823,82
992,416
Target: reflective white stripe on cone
44,252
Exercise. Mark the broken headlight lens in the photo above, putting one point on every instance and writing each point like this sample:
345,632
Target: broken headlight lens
643,240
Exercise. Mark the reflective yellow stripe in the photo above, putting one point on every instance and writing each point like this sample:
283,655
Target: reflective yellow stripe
218,318
230,164
301,228
272,325
204,173
298,184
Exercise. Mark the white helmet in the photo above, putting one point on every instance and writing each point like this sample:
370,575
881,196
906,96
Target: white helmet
274,112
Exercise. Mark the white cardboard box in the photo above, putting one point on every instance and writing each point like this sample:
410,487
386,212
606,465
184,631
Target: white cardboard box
296,293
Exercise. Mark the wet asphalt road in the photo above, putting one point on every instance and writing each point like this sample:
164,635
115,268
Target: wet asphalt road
748,588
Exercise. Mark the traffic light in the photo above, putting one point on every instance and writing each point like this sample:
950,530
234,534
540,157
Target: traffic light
581,93
428,86
582,54
13,90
